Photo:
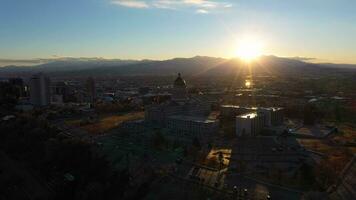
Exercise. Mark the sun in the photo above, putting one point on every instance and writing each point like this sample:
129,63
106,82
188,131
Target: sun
248,83
249,49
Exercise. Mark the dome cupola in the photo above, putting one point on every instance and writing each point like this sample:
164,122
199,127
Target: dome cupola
179,82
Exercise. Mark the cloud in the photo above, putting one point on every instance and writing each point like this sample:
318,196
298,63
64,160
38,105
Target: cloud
202,11
206,3
39,61
130,3
199,6
303,58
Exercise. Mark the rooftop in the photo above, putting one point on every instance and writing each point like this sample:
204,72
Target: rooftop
251,108
229,106
180,82
193,118
248,115
272,108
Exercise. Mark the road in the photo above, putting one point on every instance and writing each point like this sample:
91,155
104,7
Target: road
260,190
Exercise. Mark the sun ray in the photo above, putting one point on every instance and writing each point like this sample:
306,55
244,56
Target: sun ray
249,49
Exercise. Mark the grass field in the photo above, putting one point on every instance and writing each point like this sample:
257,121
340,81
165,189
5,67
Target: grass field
315,145
347,134
337,155
107,122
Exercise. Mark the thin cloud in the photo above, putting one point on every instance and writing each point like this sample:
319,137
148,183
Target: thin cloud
202,11
38,61
303,58
174,4
199,6
130,3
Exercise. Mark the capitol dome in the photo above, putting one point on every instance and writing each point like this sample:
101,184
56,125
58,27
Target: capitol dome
180,82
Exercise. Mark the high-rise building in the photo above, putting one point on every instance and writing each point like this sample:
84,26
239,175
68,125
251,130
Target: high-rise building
91,90
249,124
273,116
40,90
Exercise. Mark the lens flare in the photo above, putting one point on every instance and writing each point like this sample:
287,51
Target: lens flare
249,49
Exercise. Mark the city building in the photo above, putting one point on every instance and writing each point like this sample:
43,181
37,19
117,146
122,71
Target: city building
182,115
231,111
189,127
157,115
180,94
251,120
20,87
180,104
60,92
249,124
40,90
273,116
150,98
91,89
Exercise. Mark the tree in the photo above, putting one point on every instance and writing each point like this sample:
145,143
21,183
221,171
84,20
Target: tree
314,195
8,94
306,174
158,140
337,112
185,151
221,159
309,114
196,143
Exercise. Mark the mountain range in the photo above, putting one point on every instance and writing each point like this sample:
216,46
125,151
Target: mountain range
195,66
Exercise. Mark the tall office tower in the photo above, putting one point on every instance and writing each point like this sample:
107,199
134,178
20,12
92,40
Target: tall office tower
249,124
39,90
90,85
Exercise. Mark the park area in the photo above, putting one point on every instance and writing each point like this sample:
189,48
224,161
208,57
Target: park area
316,131
105,123
337,149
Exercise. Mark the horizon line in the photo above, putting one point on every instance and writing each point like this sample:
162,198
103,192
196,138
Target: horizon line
39,61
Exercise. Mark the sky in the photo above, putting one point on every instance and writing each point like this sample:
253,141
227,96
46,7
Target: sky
313,30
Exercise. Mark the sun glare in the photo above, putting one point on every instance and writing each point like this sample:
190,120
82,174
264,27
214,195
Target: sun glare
248,83
249,49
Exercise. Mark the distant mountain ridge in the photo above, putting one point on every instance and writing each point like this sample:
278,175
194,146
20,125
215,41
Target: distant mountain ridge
195,66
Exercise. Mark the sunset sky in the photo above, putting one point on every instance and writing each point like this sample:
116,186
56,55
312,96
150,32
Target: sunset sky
318,30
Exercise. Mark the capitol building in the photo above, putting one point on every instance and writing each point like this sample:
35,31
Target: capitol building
184,116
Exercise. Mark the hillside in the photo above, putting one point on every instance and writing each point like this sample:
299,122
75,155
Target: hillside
195,66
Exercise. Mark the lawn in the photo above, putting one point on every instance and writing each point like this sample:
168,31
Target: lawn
337,156
107,122
346,134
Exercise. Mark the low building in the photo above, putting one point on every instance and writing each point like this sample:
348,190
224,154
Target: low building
60,92
157,115
189,127
249,124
